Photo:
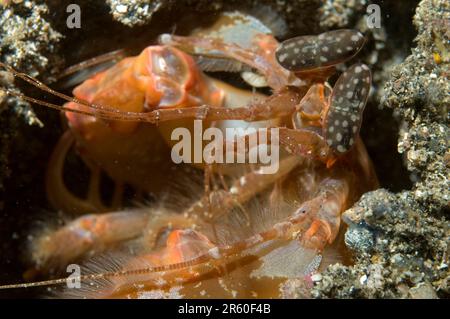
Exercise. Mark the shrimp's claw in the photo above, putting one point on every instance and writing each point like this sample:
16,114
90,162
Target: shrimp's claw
305,143
343,119
324,213
313,52
89,233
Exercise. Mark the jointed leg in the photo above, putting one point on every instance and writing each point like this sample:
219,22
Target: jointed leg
243,189
256,58
281,103
90,233
324,213
61,197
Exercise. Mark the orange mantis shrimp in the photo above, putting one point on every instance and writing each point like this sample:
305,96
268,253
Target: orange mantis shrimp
249,236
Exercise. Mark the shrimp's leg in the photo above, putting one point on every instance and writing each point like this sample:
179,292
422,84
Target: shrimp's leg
260,57
306,143
242,190
89,233
59,196
324,213
281,103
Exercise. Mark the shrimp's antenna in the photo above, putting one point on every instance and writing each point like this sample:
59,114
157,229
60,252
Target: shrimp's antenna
43,87
113,56
141,271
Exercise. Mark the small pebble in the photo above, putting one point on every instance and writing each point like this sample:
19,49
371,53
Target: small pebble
316,277
121,8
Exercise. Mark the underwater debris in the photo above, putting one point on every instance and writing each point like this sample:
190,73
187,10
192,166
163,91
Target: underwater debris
135,12
28,42
340,13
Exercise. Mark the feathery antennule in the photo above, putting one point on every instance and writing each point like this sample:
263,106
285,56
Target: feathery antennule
106,275
282,229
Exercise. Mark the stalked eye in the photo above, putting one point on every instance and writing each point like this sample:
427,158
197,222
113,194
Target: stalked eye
305,53
344,116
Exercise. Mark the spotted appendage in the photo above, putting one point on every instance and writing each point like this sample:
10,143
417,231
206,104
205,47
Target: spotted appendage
344,117
305,53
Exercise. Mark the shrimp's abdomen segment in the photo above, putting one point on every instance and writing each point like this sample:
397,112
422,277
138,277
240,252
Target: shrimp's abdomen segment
344,116
306,53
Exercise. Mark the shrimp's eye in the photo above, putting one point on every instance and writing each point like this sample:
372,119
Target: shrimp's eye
305,53
344,116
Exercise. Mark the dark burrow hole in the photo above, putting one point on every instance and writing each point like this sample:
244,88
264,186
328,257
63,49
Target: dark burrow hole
25,199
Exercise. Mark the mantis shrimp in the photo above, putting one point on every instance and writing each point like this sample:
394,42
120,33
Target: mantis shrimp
258,229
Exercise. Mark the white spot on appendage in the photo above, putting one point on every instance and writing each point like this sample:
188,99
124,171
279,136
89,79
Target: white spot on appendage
165,39
281,228
160,282
349,95
338,137
255,240
354,38
344,123
358,69
341,149
331,206
214,253
234,190
296,50
290,45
